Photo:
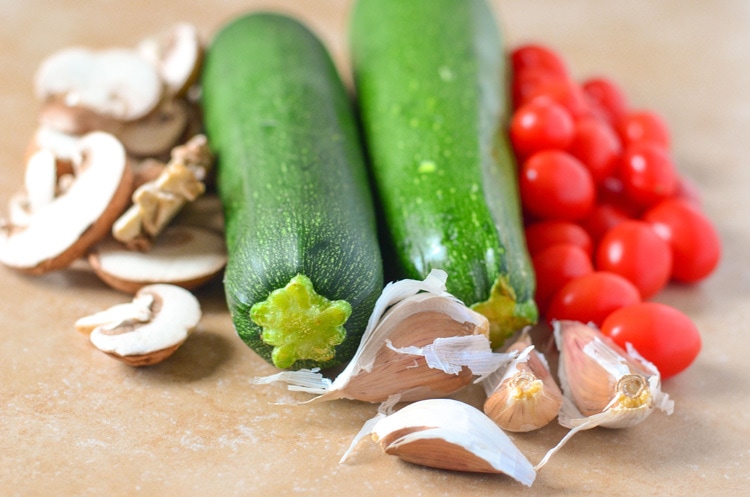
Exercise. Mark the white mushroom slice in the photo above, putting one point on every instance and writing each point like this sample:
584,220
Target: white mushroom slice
137,311
177,55
159,320
157,133
64,230
182,255
448,434
116,83
64,146
40,179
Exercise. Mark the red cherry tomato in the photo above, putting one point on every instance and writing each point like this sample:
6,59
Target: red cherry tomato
640,126
601,219
607,96
527,83
544,234
535,56
539,125
555,185
633,250
566,93
696,247
597,146
592,297
648,174
661,334
554,267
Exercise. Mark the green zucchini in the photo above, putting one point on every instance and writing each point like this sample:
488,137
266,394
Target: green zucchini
431,82
304,268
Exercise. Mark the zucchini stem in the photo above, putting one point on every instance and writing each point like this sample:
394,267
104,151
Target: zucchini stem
300,323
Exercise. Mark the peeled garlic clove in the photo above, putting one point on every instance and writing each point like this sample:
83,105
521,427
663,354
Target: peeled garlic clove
420,343
603,385
523,396
452,435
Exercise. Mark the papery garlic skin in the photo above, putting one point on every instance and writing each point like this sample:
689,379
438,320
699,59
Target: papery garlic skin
523,397
448,434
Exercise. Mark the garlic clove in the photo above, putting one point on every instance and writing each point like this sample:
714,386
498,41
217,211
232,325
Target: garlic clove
524,396
602,384
420,343
597,375
448,434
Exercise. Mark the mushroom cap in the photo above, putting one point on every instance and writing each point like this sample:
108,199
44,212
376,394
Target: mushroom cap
175,312
116,82
186,256
65,228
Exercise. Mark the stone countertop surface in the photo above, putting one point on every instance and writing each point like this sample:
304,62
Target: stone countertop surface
75,422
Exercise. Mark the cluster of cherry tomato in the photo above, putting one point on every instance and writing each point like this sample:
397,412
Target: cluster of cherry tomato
609,219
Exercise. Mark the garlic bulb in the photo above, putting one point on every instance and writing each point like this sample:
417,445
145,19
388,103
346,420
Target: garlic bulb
448,434
420,342
603,385
523,396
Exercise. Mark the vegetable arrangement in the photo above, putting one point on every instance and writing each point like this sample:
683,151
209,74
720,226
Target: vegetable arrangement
570,208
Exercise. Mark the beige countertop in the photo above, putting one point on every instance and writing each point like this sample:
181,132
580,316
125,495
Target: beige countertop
76,422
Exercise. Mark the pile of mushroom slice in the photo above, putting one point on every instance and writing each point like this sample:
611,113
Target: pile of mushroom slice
110,122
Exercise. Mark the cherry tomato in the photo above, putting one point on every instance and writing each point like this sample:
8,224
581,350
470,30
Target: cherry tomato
607,96
554,267
566,93
555,185
592,297
612,191
696,247
648,174
536,56
601,219
544,234
633,250
538,125
597,146
661,334
640,126
527,83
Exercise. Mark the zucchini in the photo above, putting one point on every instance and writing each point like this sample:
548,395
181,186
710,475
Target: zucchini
304,268
430,77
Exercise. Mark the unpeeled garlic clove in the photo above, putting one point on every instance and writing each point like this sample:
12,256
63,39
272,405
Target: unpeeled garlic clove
599,376
603,385
452,435
420,343
524,396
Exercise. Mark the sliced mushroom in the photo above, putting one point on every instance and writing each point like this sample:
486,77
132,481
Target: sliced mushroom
57,115
116,83
157,202
63,145
177,54
81,215
186,256
149,329
156,134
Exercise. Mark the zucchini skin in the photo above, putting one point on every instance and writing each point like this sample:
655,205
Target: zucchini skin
431,84
290,173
